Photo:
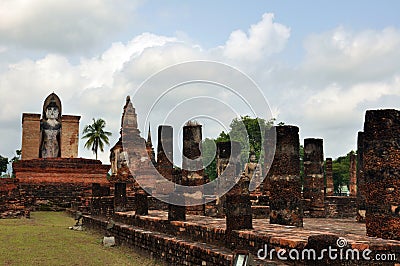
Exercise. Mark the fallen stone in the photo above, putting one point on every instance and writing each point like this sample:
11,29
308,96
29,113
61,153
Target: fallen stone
109,241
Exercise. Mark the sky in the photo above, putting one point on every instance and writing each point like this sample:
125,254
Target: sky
319,65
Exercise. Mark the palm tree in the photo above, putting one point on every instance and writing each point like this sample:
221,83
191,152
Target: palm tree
96,135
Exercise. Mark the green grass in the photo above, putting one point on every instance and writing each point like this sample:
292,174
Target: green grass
46,240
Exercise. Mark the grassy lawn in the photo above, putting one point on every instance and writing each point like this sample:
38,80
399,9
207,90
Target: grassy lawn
46,240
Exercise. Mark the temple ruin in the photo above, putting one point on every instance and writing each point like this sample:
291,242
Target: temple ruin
287,211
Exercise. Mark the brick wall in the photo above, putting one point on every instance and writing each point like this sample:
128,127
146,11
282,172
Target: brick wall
30,136
188,243
341,207
160,246
53,196
69,136
12,205
58,182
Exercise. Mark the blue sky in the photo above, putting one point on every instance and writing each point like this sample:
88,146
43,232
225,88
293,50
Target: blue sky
320,64
211,22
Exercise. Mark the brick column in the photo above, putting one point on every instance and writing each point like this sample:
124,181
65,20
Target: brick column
120,197
360,179
329,177
165,167
30,136
238,213
284,178
223,155
314,177
238,210
227,169
165,151
142,202
192,163
69,136
353,175
381,163
176,212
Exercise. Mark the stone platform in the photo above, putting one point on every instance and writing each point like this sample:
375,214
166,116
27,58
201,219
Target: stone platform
55,183
61,170
210,232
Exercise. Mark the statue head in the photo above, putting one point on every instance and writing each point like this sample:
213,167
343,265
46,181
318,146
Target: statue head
52,107
52,111
252,157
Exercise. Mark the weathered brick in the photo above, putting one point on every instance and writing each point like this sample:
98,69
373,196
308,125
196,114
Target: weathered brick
284,177
314,177
381,165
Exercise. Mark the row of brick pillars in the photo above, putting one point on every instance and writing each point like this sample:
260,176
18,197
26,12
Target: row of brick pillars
375,180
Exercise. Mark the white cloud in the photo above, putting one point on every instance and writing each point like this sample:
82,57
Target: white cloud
264,38
62,25
326,95
101,70
94,87
337,103
366,55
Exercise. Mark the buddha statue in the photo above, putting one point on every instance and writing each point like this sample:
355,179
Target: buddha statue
251,171
50,128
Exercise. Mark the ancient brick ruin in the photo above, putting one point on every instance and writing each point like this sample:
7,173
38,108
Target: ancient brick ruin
182,235
228,167
31,132
49,174
12,202
381,162
353,175
329,177
174,235
192,164
314,178
361,208
286,207
165,167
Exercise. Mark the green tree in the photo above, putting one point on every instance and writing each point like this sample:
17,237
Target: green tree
301,151
341,172
3,164
249,133
209,153
245,130
96,136
14,159
17,157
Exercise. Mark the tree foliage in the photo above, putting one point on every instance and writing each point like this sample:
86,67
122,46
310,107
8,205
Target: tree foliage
16,158
245,130
96,136
249,133
341,172
3,164
301,153
209,160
